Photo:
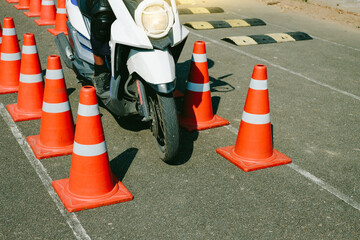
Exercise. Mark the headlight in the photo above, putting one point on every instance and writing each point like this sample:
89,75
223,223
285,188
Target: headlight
155,17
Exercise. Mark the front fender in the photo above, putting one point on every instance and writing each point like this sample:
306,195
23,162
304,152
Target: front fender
156,67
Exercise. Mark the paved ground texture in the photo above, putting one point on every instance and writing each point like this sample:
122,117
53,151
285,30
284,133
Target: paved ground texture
315,102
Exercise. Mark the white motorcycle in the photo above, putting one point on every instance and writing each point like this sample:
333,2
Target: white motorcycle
146,41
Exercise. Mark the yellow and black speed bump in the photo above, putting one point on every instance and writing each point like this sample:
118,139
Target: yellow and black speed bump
200,10
268,38
231,23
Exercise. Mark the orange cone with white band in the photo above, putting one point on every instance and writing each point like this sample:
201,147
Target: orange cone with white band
23,4
31,86
61,18
34,9
10,58
91,183
253,149
47,13
197,113
57,127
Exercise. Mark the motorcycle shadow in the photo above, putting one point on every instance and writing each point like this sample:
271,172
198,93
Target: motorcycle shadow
186,146
121,164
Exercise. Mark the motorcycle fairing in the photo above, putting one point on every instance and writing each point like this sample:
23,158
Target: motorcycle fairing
76,18
82,45
125,31
156,66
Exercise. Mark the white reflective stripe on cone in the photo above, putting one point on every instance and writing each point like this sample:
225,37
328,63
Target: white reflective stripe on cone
9,32
0,40
54,74
256,118
61,10
29,49
88,110
10,56
258,84
199,58
48,3
197,87
30,78
89,150
56,107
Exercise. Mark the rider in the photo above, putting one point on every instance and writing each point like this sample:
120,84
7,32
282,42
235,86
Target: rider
102,17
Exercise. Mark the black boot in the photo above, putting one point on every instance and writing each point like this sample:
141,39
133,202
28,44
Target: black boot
102,85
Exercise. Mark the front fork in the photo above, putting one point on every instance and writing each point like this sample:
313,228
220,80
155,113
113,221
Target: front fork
143,102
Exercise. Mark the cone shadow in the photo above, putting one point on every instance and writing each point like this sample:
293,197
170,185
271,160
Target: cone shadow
218,85
215,103
70,91
121,164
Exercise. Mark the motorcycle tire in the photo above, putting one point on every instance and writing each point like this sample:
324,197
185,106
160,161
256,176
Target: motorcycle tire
164,126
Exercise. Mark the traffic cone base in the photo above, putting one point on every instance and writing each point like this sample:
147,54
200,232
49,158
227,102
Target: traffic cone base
75,203
55,32
31,14
42,151
192,125
12,1
18,115
18,7
4,90
44,22
249,165
34,9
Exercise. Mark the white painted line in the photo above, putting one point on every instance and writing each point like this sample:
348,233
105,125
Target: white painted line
325,186
232,129
235,49
40,170
315,37
314,179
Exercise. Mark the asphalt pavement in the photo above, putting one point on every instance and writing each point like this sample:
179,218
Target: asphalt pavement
314,102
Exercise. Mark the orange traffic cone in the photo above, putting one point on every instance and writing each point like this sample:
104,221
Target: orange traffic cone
47,13
31,86
57,127
253,149
61,18
34,9
197,113
23,4
10,58
91,183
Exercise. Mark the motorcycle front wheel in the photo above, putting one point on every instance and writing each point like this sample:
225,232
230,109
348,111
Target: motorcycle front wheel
164,125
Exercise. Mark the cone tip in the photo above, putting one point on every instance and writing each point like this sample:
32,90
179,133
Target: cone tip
29,39
199,47
260,72
8,22
88,95
53,62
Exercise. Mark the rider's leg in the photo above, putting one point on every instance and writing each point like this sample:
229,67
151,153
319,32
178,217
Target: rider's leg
102,74
101,19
